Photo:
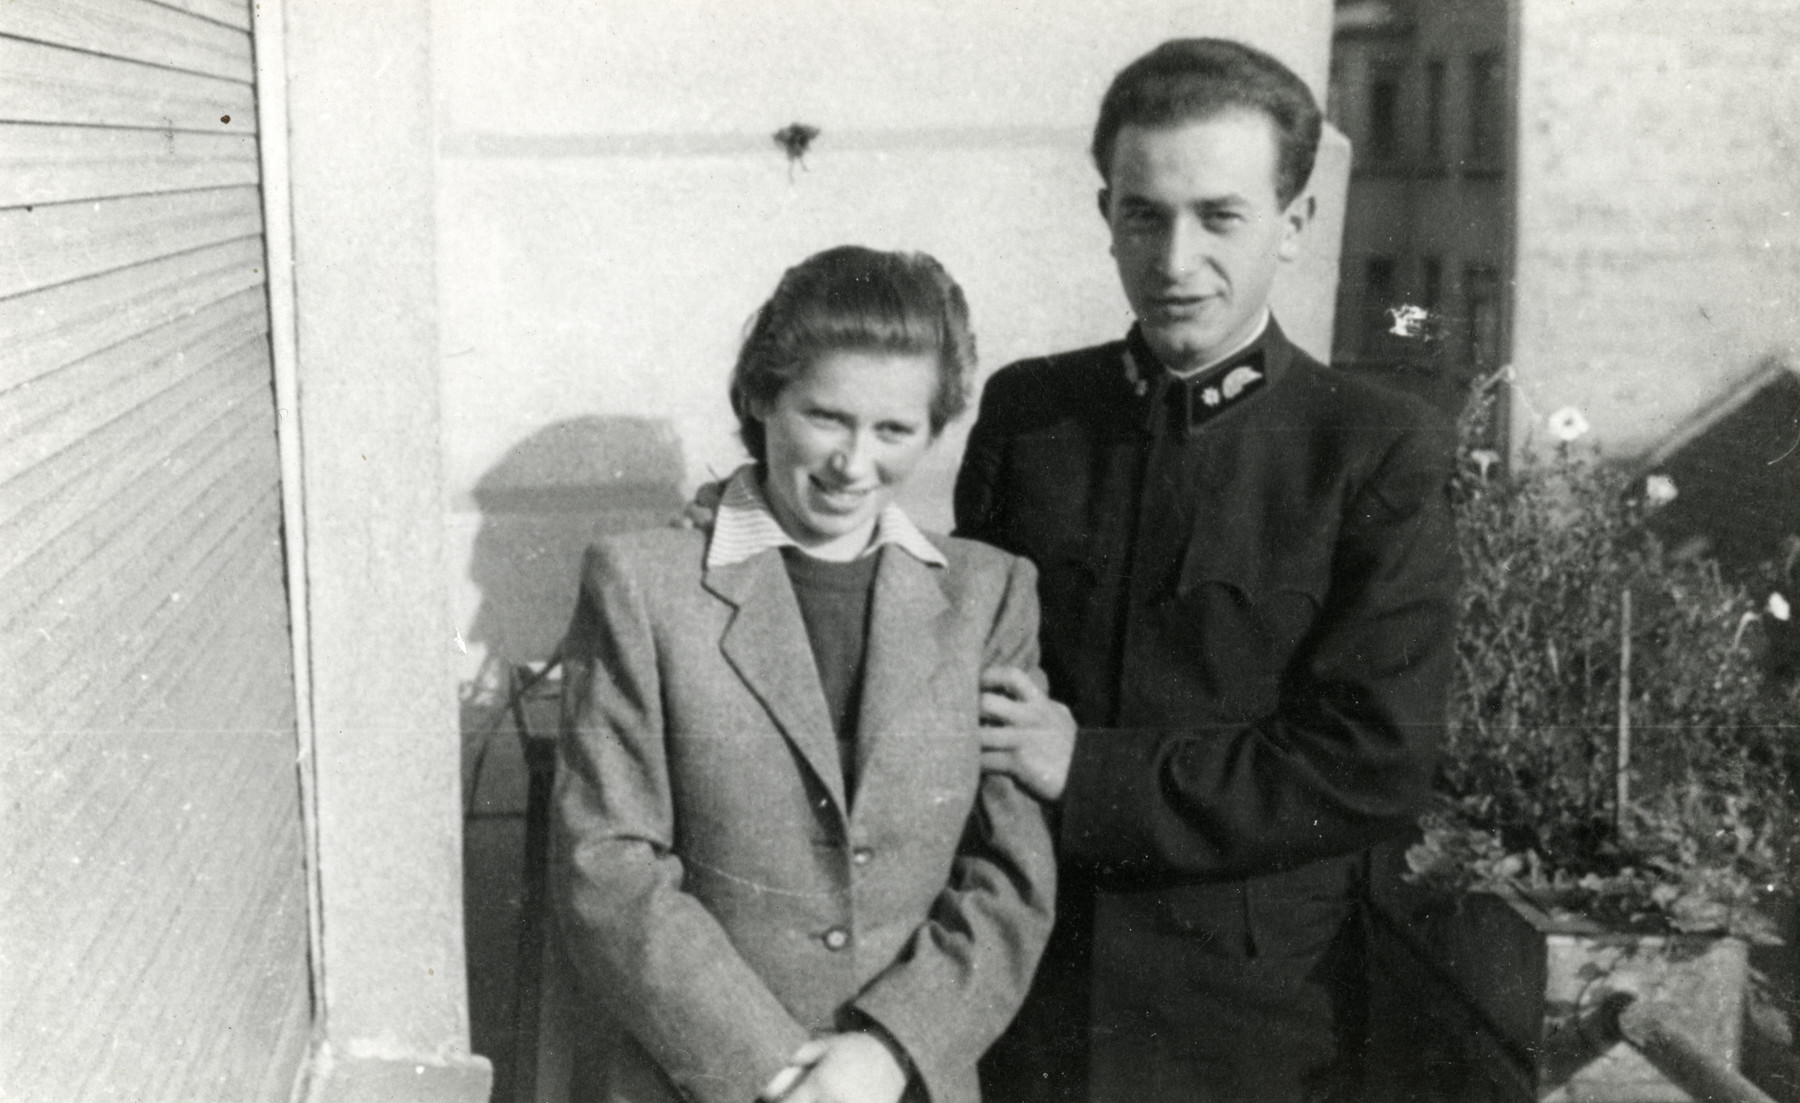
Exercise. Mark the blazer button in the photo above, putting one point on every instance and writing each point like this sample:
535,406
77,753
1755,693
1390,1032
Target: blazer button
837,938
862,855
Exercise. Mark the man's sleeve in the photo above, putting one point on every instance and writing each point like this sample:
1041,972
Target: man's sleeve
984,457
958,984
1347,758
668,970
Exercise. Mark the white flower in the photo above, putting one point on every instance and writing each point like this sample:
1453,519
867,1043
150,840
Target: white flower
1484,458
1210,396
1409,320
1568,425
1778,607
1659,490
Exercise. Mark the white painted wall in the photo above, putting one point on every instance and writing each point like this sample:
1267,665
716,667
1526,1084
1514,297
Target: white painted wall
612,207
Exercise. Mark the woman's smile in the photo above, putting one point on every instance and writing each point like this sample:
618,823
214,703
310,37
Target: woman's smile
840,442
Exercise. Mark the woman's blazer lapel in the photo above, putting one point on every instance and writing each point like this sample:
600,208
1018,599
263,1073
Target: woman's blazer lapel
905,631
765,642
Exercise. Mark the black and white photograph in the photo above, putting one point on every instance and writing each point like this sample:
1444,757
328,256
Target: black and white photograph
899,551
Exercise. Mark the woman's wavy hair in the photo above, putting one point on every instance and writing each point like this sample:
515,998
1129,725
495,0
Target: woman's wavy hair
854,299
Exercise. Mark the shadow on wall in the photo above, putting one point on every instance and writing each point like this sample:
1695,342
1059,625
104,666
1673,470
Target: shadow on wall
540,506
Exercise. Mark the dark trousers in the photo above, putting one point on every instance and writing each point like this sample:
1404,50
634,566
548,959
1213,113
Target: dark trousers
1245,991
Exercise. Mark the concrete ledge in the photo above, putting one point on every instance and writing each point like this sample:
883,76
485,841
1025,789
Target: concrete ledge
336,1076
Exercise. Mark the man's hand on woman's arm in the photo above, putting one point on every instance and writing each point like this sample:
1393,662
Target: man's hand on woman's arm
1025,734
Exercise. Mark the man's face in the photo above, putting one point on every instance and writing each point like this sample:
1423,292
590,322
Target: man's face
1197,230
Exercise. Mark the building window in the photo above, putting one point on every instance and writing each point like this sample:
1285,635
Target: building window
1384,117
1378,295
1434,110
1482,305
1431,286
1487,93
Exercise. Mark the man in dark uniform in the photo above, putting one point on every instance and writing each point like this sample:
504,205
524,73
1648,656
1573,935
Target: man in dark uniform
1248,576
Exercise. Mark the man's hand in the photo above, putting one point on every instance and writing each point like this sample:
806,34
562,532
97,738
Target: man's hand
699,513
1024,733
840,1068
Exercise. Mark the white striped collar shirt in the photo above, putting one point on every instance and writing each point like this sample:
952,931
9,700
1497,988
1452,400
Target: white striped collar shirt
743,525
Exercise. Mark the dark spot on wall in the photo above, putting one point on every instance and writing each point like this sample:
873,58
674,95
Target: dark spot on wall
794,140
224,118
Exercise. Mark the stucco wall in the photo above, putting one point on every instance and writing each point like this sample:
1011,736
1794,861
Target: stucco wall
612,208
391,1008
1658,209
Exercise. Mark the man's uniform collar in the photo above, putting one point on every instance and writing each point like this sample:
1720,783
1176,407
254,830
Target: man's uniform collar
1172,402
744,525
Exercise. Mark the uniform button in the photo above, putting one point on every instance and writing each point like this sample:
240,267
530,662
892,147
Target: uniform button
837,938
862,855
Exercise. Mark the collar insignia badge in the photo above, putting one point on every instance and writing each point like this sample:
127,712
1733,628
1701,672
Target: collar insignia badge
1237,380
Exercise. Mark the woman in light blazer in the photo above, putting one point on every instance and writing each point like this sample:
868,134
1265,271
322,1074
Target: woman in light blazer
779,868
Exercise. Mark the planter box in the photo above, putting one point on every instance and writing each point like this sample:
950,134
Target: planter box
1531,982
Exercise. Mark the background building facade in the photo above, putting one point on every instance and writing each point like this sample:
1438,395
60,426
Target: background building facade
1422,91
1598,196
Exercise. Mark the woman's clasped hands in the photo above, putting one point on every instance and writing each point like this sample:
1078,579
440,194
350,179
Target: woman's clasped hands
855,1067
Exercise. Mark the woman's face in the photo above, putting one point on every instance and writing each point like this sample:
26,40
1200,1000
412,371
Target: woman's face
841,440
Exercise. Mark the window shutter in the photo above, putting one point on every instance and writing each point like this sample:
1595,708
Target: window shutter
153,908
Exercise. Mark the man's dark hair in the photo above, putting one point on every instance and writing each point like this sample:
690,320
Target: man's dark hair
1187,79
853,299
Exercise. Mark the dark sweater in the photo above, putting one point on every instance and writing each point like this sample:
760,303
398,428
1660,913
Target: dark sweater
834,603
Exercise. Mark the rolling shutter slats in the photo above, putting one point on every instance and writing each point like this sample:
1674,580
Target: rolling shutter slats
230,13
51,84
118,706
136,30
56,164
165,675
155,902
93,569
59,677
182,420
50,497
57,326
67,241
194,867
42,576
44,417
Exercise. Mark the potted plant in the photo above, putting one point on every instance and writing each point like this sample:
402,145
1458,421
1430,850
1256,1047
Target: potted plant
1617,795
